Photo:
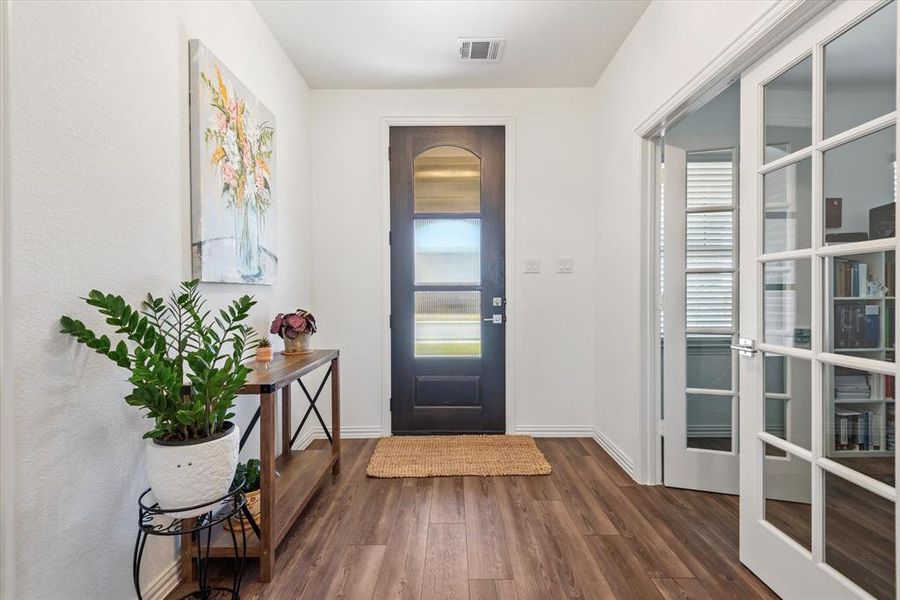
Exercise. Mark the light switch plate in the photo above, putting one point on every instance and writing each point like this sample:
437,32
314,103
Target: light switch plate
565,264
532,265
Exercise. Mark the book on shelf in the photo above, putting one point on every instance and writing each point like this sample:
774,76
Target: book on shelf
851,384
851,278
889,325
856,430
889,431
856,325
889,386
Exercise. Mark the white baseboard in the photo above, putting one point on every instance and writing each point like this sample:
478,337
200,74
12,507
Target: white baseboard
167,581
555,430
361,431
615,452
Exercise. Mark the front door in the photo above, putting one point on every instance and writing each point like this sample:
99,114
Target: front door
448,292
818,286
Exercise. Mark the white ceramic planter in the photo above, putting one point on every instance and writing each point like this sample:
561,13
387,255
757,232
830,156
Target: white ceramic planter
191,474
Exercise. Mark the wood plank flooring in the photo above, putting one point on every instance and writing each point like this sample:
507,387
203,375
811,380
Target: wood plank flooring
585,531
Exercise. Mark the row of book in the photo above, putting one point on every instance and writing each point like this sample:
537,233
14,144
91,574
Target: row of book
856,430
857,325
851,278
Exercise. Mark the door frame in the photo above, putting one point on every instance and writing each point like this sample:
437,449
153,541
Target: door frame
512,307
770,30
7,420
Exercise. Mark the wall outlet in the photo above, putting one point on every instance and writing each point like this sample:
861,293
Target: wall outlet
565,264
532,265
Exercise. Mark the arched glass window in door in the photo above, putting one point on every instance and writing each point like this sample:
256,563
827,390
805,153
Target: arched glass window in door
447,232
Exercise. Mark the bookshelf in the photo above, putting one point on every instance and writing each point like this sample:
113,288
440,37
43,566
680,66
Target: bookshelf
860,314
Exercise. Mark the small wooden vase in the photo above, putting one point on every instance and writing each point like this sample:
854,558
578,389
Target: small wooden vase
297,345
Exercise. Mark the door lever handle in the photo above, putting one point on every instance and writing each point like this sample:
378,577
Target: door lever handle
496,319
745,347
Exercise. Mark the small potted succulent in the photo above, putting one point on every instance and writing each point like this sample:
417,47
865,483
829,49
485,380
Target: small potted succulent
249,471
264,351
295,329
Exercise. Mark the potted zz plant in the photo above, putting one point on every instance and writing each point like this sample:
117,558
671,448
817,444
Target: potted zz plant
249,471
192,449
295,329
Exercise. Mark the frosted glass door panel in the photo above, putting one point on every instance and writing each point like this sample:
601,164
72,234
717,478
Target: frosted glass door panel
448,323
447,180
448,251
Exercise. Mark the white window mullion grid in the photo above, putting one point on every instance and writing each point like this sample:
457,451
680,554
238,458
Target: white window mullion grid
818,354
896,324
817,292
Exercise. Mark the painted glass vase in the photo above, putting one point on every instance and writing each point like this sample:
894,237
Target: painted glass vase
246,240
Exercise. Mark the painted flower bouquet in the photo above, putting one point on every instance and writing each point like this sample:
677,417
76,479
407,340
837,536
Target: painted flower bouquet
241,155
295,329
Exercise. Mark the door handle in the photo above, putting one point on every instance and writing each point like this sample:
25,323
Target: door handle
496,319
745,347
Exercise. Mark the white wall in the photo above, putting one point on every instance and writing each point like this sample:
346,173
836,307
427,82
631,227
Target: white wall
671,43
100,194
555,166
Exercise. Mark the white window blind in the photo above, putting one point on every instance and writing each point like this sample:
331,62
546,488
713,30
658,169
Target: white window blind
709,182
709,242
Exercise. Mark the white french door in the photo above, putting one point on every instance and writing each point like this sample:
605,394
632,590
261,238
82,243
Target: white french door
818,286
700,371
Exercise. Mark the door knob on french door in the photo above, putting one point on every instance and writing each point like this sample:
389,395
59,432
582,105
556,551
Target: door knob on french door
495,319
745,347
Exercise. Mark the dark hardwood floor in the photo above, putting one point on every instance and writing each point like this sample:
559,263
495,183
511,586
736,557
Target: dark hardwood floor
584,531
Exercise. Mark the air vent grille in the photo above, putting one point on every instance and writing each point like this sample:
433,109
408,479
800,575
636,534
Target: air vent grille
481,50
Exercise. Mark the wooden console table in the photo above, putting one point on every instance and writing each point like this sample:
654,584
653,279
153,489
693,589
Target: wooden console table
288,480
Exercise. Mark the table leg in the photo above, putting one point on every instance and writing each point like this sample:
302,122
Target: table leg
336,414
267,485
286,420
187,552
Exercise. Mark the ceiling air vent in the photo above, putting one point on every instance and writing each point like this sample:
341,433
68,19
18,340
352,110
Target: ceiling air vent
481,50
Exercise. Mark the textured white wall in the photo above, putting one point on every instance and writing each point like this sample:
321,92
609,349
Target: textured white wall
554,202
671,43
100,197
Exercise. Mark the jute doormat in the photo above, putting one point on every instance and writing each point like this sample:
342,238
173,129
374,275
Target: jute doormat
450,455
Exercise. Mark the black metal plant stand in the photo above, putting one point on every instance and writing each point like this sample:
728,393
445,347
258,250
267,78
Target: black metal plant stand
159,521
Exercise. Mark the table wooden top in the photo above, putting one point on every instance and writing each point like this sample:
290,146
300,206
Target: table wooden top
284,370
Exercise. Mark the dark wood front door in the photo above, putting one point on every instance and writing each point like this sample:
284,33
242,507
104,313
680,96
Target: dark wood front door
448,285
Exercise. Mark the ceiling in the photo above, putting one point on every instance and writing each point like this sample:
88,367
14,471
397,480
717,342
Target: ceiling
409,44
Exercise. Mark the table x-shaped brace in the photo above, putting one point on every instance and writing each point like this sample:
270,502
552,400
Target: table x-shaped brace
312,408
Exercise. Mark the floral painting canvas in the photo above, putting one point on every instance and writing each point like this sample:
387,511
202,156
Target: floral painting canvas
232,177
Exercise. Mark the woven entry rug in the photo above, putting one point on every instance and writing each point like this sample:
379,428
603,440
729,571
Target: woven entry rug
456,455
